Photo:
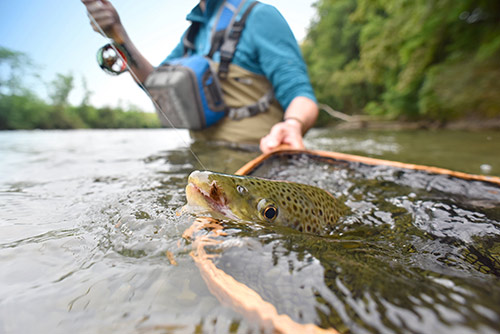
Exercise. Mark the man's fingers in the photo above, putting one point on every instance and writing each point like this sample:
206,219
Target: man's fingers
104,19
102,16
295,142
277,131
97,8
103,24
273,139
281,134
92,4
276,135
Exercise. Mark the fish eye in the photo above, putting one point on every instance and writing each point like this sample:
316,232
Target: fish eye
270,212
242,190
267,209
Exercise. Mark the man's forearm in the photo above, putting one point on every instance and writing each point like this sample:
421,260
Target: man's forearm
139,66
302,110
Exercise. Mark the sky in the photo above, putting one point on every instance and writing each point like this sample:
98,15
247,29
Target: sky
58,38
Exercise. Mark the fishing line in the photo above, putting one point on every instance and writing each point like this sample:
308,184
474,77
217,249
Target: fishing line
132,73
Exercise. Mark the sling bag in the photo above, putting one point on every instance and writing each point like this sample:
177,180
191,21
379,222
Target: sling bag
188,92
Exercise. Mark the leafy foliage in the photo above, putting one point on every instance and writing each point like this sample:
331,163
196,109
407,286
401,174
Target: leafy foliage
22,109
407,58
30,112
60,88
14,66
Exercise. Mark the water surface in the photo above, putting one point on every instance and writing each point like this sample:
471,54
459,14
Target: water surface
87,218
476,152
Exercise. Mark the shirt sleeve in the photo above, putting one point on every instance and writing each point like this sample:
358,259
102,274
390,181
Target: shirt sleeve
278,54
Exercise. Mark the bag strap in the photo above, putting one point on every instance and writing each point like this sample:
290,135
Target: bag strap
226,33
227,41
230,42
253,109
225,37
189,36
225,18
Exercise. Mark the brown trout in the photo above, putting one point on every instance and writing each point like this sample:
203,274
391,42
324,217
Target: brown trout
303,207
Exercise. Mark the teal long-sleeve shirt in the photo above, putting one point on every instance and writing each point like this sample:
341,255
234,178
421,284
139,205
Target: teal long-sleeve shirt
267,47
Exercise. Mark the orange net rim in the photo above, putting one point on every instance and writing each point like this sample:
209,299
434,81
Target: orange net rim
253,164
237,295
243,299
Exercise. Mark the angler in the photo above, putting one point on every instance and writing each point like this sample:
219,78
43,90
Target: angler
237,75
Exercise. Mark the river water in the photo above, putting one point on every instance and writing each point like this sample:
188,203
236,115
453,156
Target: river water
87,218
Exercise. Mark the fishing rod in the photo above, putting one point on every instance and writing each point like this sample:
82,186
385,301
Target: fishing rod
115,53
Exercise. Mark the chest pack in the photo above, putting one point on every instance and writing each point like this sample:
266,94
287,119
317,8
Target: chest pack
187,91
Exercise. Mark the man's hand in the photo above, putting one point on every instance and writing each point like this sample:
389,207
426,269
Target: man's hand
288,132
106,16
299,117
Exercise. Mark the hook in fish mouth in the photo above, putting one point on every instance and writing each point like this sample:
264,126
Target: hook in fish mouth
214,196
206,194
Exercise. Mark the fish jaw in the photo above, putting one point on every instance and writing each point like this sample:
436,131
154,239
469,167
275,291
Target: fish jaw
205,195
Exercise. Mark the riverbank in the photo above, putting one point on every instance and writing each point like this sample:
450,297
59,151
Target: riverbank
470,124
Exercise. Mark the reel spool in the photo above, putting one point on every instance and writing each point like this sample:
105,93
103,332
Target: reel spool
112,59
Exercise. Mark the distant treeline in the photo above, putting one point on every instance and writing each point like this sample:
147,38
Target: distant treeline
398,59
30,112
419,59
21,108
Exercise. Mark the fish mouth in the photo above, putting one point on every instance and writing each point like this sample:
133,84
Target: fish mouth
203,193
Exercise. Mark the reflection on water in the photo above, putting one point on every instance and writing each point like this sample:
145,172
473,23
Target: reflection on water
471,152
87,218
418,253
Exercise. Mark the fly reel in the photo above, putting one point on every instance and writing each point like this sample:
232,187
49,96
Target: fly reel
112,59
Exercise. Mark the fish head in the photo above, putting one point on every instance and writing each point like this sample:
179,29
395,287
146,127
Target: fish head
231,196
300,206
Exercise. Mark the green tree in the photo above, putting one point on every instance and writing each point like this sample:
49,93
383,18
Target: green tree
60,88
332,46
24,112
15,66
22,109
87,93
407,58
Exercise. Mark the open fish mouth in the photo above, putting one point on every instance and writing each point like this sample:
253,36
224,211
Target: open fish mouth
213,197
207,195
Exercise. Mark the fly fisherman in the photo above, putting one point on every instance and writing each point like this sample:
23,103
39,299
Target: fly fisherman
258,63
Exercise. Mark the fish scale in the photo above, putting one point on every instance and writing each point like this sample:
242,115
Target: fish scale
300,206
